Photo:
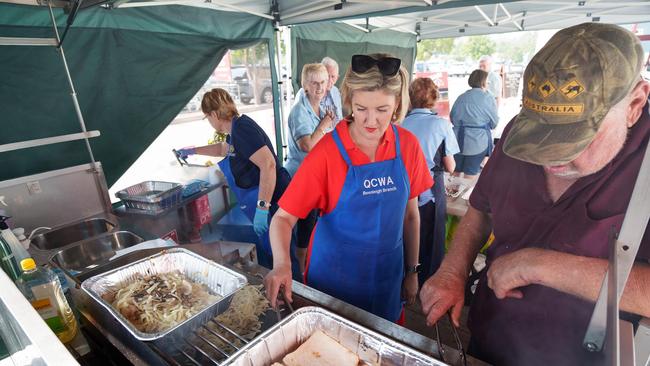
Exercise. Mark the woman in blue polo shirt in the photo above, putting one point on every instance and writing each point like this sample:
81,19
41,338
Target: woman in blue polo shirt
308,122
250,165
439,145
474,115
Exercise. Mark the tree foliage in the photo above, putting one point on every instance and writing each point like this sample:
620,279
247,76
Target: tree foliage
429,47
476,46
520,49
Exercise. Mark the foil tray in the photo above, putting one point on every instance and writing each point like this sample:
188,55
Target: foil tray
219,280
283,338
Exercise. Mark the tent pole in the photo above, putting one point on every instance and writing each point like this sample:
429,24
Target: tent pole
73,93
98,182
288,79
277,105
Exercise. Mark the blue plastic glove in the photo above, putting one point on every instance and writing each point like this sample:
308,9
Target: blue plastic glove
185,152
261,221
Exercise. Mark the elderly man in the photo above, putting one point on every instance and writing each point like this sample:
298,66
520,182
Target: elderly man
332,99
557,183
494,80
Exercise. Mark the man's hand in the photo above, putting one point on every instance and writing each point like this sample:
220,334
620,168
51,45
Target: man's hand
274,280
410,288
442,291
514,270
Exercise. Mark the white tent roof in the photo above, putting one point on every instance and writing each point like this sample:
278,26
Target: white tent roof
501,17
427,18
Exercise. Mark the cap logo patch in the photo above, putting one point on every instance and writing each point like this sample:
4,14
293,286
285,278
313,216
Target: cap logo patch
572,89
532,83
552,108
546,89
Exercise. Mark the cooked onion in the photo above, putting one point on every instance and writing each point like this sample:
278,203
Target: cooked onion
154,303
242,317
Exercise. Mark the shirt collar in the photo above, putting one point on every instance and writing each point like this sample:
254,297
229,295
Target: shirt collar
305,103
421,110
344,133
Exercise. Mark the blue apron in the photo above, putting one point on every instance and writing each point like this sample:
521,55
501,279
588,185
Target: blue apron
357,252
247,199
461,137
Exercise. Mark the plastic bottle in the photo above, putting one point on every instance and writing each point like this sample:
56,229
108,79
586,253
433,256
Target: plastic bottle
43,289
16,247
20,234
8,261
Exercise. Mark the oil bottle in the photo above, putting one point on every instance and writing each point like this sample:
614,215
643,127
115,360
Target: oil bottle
42,288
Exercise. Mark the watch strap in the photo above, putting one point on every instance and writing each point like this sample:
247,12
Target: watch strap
412,269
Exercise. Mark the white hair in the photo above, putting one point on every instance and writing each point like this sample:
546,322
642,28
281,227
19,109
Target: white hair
328,61
485,58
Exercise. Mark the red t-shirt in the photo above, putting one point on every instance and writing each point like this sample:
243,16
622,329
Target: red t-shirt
319,180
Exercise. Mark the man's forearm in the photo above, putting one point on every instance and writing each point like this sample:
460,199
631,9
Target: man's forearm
583,276
471,234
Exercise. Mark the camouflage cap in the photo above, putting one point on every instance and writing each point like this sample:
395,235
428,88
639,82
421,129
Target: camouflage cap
569,86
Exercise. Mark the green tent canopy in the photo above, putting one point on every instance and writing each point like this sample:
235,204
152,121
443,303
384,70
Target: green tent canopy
134,69
311,42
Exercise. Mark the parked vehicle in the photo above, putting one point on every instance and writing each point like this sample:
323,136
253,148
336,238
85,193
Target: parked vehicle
459,69
245,86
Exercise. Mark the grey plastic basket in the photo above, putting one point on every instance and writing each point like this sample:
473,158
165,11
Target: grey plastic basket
151,196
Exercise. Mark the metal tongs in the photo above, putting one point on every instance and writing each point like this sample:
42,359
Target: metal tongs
282,297
459,344
183,161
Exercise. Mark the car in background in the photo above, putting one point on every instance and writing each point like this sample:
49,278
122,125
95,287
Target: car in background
459,69
194,105
244,85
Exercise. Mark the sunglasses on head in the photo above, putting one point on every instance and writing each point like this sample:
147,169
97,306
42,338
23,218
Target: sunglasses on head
388,66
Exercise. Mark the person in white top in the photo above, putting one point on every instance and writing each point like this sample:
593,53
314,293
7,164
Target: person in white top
494,80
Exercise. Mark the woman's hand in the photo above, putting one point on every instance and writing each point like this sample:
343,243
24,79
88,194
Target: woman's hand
261,221
410,288
327,123
279,278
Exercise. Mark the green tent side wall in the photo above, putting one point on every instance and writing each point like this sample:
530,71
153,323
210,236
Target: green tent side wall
311,42
134,69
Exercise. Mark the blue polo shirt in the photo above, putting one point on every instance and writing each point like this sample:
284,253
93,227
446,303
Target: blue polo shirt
431,130
474,108
302,122
246,138
331,99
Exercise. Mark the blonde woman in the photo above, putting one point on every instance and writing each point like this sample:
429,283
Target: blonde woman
250,165
365,178
308,123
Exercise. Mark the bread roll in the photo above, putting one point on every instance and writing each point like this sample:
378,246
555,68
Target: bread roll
321,350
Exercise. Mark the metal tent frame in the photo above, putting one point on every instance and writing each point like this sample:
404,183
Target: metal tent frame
426,19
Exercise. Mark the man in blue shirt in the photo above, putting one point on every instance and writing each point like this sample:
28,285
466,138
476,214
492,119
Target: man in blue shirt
332,99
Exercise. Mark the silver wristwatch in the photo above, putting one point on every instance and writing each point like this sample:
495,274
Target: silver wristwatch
263,204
